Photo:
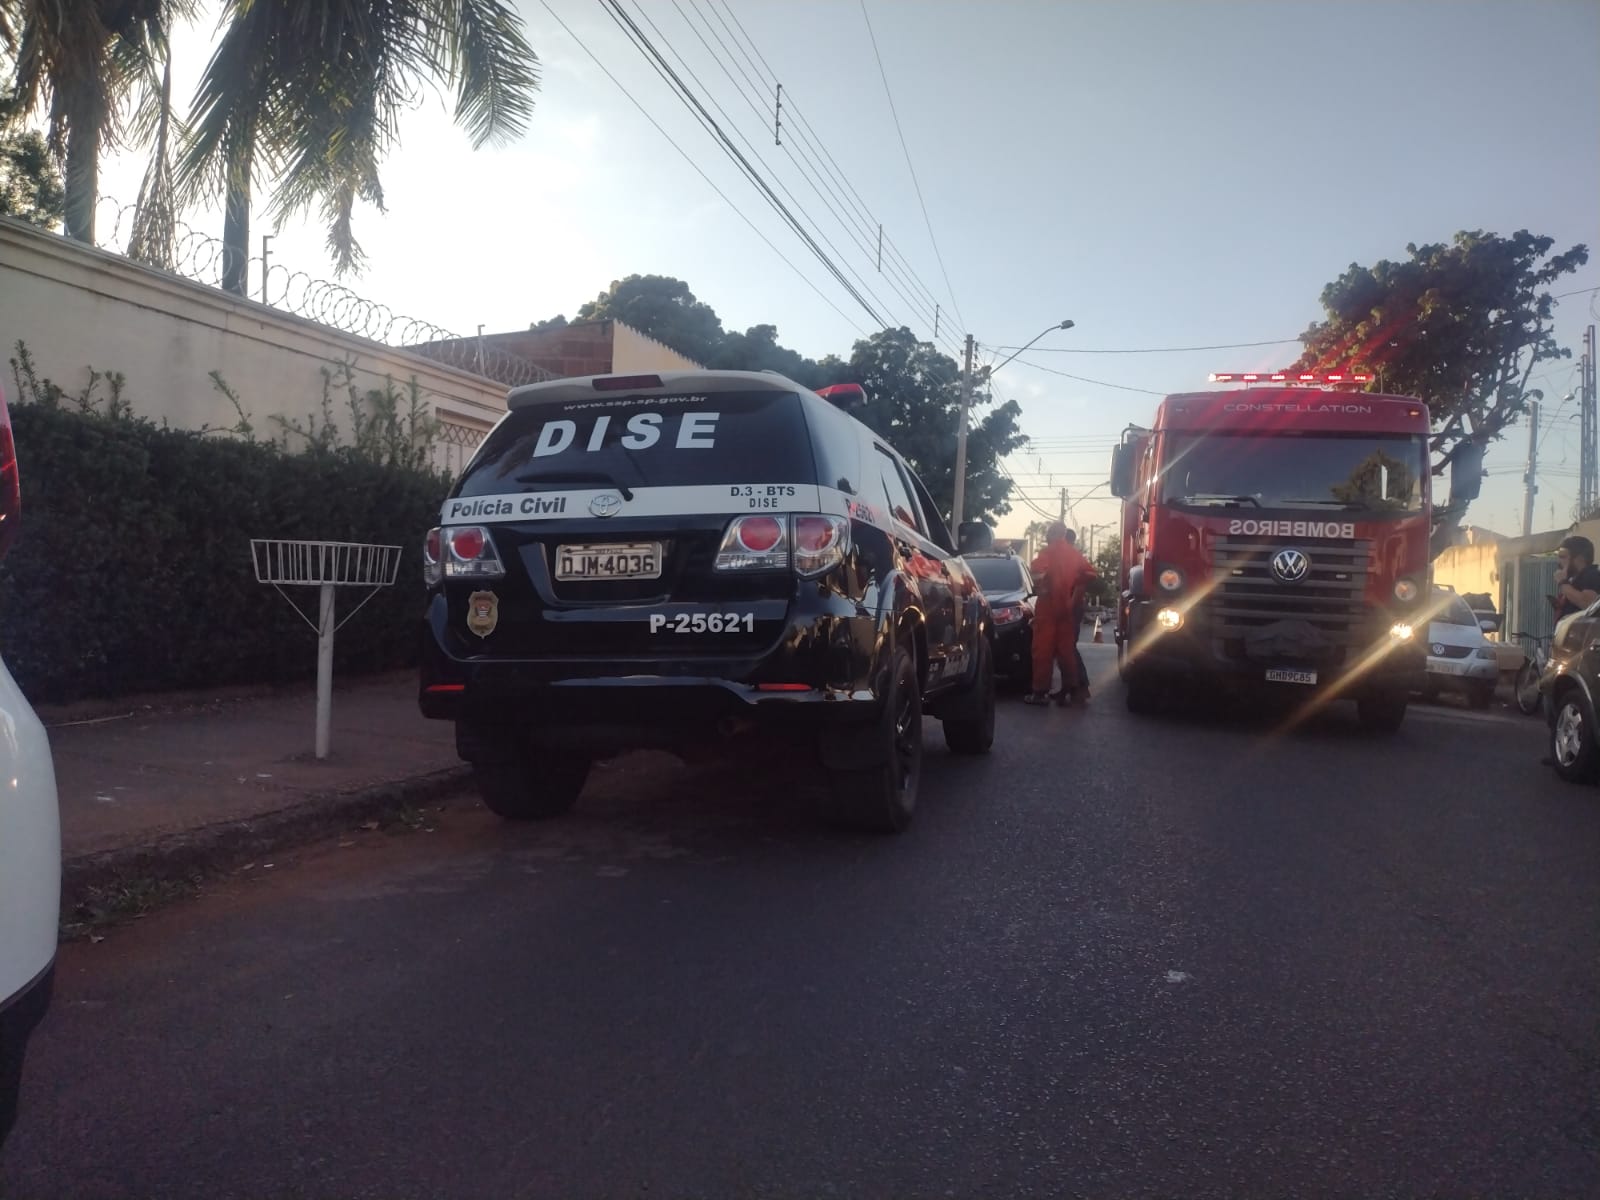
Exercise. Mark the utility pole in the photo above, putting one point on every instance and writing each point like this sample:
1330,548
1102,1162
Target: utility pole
961,440
1531,478
1063,515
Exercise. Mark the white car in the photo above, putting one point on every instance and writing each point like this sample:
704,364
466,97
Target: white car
1460,658
30,843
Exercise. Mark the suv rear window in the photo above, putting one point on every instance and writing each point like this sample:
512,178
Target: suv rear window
996,574
646,441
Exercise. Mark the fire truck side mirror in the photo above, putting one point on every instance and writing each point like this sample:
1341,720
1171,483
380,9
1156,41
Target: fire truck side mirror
1122,464
1466,474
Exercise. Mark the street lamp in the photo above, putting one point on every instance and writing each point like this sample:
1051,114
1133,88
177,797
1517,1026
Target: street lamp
961,428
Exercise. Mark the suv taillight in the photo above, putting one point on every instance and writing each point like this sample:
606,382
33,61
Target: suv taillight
755,544
810,544
432,550
820,543
10,484
469,553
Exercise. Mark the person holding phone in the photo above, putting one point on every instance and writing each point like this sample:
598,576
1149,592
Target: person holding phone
1577,577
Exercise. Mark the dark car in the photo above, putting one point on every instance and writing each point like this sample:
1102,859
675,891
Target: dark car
1007,583
677,560
1570,686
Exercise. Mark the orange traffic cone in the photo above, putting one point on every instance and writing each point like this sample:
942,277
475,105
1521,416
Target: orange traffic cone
1099,636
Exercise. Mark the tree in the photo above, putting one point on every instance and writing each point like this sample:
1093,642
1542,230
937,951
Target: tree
913,402
757,349
664,308
314,92
80,61
1460,326
30,185
1108,561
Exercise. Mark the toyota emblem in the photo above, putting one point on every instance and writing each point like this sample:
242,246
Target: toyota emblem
607,504
1290,566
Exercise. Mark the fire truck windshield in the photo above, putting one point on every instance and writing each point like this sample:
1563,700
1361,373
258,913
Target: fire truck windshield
1374,473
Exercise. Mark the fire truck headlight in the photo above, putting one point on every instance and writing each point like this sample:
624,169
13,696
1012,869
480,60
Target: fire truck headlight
1170,579
1169,619
1405,591
1401,632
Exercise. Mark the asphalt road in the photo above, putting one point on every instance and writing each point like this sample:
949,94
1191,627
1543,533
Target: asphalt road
1122,957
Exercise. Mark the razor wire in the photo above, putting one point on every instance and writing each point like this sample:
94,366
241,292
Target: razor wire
202,258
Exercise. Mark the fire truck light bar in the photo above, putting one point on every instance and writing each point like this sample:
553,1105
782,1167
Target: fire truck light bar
1290,377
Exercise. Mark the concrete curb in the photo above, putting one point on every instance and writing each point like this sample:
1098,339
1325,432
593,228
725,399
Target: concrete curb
212,849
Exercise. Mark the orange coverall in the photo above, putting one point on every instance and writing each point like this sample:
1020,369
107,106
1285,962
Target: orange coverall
1062,571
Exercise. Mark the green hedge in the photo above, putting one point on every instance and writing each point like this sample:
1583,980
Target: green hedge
132,569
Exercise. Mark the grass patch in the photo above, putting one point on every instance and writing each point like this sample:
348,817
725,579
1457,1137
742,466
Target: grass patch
123,901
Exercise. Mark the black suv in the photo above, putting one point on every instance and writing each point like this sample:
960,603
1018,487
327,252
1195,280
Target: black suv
669,560
1008,585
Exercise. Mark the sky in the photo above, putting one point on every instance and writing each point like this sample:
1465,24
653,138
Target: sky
1164,174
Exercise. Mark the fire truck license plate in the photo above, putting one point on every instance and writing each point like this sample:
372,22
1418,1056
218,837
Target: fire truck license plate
1290,675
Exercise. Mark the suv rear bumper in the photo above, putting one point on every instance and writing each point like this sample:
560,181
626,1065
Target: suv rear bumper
18,1019
809,681
1191,653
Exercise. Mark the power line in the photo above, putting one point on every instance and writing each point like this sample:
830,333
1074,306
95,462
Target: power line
1160,349
698,171
809,169
820,156
731,124
692,102
884,75
1121,387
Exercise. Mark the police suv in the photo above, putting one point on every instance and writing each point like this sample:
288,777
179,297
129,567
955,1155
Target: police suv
670,560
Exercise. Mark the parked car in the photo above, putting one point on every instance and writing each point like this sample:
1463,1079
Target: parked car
30,843
1460,658
1570,688
679,559
1008,584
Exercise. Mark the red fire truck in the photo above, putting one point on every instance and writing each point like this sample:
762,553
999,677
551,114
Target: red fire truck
1276,536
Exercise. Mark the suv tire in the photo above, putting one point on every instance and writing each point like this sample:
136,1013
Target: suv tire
1480,695
1140,694
883,797
522,789
1573,747
972,731
1383,711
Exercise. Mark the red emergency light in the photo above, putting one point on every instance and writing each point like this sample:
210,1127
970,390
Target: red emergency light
1290,377
844,395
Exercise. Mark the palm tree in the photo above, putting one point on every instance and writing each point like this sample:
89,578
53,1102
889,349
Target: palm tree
311,92
81,60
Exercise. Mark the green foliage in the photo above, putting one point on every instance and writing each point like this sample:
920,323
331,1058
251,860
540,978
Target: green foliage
913,390
1108,561
30,185
913,402
1460,326
663,308
132,571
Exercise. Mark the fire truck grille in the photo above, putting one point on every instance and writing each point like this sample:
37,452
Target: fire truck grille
1250,595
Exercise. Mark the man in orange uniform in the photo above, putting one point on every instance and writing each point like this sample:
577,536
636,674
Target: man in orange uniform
1059,571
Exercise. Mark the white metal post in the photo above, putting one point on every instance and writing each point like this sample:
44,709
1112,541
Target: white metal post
325,628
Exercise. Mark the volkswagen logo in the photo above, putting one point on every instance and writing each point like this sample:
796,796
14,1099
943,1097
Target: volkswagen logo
1290,566
606,505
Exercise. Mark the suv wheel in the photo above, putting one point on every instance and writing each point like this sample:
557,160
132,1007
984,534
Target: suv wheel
1480,695
972,731
528,788
882,798
1140,694
1572,739
1382,712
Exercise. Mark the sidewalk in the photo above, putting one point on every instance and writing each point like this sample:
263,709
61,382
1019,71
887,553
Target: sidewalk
158,779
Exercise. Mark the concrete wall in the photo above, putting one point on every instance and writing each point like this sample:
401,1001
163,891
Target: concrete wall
632,351
77,307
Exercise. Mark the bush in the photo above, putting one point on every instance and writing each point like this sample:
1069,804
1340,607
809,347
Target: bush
132,570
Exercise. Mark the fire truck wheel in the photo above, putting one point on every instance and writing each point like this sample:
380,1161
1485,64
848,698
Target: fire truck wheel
1140,694
1382,712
